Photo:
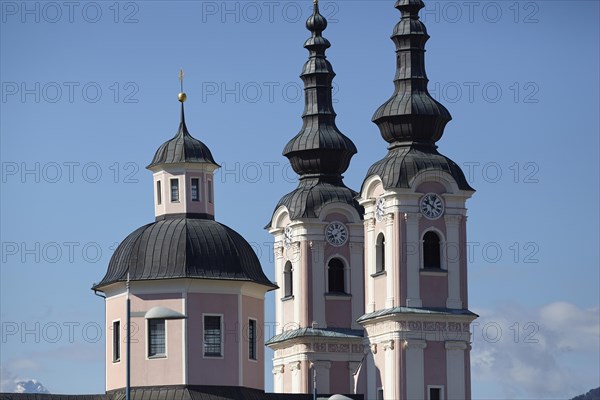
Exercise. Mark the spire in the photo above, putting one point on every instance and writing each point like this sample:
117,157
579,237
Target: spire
411,115
319,150
182,148
182,97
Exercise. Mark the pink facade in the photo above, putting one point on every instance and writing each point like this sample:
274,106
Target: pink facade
147,372
184,362
339,377
435,364
434,290
204,204
338,313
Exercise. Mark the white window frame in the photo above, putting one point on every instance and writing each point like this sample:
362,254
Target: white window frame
171,190
380,261
346,274
255,360
159,194
222,317
113,341
148,357
198,191
210,194
443,265
441,387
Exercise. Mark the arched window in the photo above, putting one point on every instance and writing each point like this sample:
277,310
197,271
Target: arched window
380,253
335,276
431,251
288,280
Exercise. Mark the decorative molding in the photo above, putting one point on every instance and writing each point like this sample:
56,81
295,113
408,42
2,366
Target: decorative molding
415,344
456,345
412,218
389,219
388,345
452,219
374,348
338,348
279,252
321,364
278,369
295,366
370,224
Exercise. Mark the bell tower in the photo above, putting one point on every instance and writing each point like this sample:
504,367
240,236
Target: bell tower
416,319
318,233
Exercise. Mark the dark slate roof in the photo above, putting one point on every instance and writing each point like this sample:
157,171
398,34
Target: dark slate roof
319,149
411,310
312,195
37,396
184,248
403,163
411,114
176,393
182,148
333,333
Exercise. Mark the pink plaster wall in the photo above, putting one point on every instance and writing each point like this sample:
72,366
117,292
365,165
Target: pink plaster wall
287,318
147,372
254,371
338,313
380,294
185,203
339,377
435,364
336,217
434,290
213,371
431,187
379,366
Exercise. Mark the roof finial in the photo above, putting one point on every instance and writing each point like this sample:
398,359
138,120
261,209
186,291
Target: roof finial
182,96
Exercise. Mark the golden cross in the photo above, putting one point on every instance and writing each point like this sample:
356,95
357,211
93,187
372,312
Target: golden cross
181,78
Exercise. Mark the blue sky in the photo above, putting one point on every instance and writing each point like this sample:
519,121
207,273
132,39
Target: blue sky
89,91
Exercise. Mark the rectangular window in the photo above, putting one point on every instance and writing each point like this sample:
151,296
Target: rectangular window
156,338
116,341
195,187
158,193
209,187
174,190
435,394
212,336
252,339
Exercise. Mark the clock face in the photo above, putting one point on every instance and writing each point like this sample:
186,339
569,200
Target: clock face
287,236
379,208
432,206
336,234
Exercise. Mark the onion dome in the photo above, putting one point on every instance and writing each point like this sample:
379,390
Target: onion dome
411,114
319,150
319,153
411,121
183,147
177,248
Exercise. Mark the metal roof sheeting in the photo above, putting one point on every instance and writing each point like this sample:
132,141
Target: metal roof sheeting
184,248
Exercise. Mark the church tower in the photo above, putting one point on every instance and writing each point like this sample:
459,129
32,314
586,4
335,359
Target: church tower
416,319
318,232
192,288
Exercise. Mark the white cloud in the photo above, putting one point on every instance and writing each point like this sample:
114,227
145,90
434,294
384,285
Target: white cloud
7,381
546,353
